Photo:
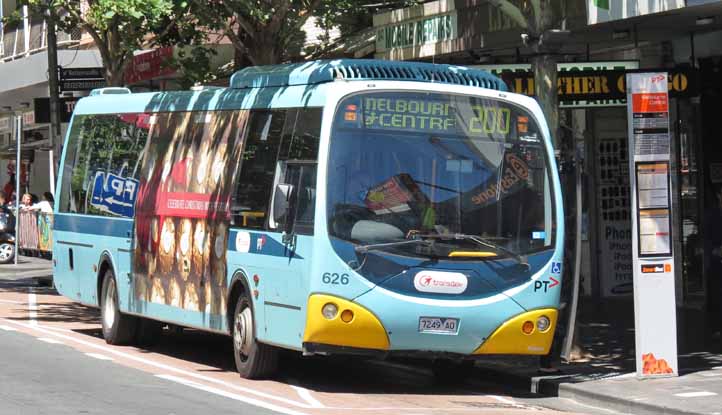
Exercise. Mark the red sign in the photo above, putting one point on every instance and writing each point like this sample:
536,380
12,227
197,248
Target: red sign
149,65
650,102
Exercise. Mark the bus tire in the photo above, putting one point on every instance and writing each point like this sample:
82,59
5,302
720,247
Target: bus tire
118,328
254,360
148,332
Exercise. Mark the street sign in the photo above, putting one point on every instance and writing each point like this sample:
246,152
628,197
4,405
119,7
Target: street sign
653,261
82,73
81,85
81,79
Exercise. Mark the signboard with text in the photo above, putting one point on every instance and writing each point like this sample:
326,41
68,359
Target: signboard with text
81,79
593,88
149,65
653,261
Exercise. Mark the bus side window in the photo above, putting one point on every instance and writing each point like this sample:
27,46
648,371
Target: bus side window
102,157
273,136
302,176
253,187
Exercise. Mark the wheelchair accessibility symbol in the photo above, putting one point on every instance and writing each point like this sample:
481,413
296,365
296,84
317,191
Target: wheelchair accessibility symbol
556,267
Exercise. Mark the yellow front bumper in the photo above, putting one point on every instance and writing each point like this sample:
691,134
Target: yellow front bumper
510,339
363,331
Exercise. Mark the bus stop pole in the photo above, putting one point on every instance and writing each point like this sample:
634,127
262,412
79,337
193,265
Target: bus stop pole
571,323
18,144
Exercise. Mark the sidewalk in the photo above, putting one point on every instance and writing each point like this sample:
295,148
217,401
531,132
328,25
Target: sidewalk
607,378
27,267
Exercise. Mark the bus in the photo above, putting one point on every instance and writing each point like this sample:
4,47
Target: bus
356,207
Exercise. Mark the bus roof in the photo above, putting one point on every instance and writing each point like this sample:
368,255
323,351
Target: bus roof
316,72
280,86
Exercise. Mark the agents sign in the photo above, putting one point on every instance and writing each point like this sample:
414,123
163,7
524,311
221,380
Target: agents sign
653,261
114,194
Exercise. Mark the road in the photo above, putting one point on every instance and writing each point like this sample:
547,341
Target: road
53,360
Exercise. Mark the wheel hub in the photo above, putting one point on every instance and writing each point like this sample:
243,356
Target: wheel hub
109,308
6,250
243,333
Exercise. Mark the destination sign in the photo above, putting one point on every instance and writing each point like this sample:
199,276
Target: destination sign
472,117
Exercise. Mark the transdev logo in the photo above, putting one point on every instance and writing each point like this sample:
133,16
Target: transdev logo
441,282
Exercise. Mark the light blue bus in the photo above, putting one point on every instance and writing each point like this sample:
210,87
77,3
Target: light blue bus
349,206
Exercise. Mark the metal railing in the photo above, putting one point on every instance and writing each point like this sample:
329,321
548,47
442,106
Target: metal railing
35,231
13,40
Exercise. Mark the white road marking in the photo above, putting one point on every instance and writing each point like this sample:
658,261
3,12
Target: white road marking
229,395
591,406
49,340
60,329
695,394
508,401
503,399
395,409
11,302
305,394
7,328
99,356
708,375
32,308
162,366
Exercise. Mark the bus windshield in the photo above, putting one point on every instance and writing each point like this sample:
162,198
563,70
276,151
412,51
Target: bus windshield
468,175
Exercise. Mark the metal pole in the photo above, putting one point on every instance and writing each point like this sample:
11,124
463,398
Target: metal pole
18,144
567,347
53,87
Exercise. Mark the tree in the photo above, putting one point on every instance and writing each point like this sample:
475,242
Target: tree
118,27
540,21
269,32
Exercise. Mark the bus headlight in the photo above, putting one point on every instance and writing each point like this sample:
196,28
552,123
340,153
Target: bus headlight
329,311
543,323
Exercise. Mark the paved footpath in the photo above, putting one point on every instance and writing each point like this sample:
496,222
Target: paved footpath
609,386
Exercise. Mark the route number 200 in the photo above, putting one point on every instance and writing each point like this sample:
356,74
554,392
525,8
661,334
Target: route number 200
334,279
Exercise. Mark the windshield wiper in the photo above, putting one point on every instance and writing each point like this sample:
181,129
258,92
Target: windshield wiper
520,259
362,249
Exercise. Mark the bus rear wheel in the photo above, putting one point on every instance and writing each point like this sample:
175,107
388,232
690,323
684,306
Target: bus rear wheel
118,328
254,360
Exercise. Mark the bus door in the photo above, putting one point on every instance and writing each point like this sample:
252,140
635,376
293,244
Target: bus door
286,285
280,258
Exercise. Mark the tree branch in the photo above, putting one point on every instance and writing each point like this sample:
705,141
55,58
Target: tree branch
511,11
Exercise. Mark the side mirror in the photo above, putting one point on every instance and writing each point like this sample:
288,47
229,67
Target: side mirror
282,205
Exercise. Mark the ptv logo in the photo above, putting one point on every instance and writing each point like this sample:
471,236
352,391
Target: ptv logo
545,285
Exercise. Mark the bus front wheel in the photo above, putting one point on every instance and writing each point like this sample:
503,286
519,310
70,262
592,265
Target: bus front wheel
253,359
118,328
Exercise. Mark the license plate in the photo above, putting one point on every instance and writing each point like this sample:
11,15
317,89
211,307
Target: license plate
442,325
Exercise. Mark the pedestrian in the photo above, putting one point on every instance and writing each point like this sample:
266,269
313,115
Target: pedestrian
26,201
46,205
